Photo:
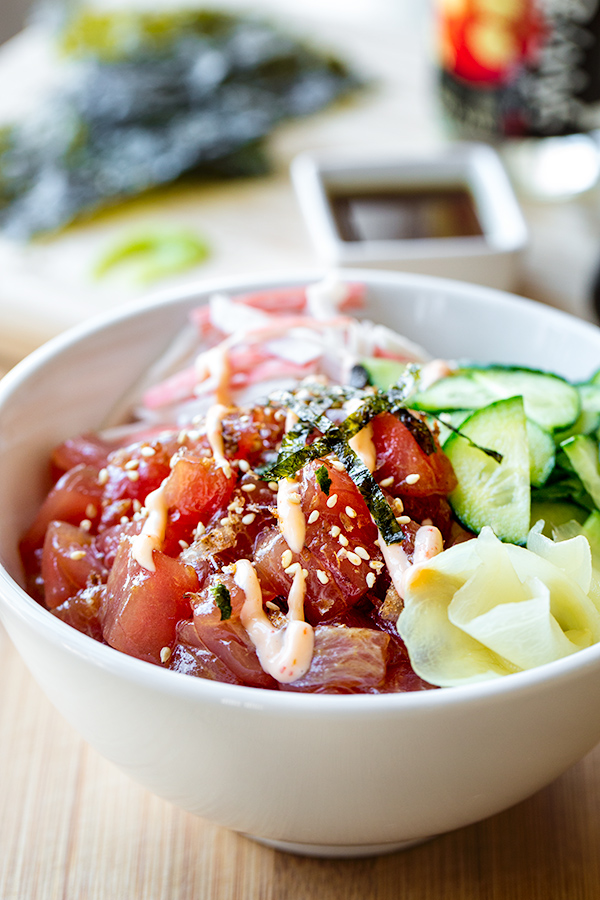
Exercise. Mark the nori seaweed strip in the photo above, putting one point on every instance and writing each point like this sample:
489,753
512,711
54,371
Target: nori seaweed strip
495,454
373,496
323,479
222,599
335,442
295,453
287,466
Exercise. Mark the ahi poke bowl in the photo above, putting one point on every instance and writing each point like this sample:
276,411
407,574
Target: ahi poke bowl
315,558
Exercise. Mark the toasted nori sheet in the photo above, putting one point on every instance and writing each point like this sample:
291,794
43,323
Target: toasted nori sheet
156,97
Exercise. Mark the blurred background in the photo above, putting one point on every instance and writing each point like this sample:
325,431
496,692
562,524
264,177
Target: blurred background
143,144
12,17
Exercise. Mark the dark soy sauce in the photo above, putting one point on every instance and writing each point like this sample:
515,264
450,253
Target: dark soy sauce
392,214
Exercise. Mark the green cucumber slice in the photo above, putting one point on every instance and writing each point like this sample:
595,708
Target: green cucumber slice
588,420
383,373
549,399
542,453
488,492
542,449
591,529
556,514
582,452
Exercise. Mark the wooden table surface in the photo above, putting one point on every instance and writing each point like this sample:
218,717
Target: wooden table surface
72,827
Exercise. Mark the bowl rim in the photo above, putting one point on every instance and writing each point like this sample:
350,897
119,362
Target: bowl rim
51,629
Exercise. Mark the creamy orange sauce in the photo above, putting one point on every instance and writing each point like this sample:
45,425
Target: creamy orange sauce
214,363
152,535
428,543
292,521
396,562
214,433
284,653
362,443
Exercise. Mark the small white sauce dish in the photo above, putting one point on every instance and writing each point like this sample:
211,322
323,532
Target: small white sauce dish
490,257
314,774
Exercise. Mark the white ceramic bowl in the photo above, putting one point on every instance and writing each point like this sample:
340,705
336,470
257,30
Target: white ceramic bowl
331,775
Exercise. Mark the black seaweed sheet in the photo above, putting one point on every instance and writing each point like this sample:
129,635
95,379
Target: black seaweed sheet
156,97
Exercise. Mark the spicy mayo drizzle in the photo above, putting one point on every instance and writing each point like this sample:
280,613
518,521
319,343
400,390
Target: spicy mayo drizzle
214,433
284,653
292,521
152,535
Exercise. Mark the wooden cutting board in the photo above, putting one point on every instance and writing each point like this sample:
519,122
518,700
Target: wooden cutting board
251,225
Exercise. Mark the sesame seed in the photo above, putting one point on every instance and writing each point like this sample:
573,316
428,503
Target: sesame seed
402,520
370,579
338,466
351,512
137,505
294,497
131,464
286,558
343,540
248,519
270,605
360,551
200,529
183,544
305,572
335,531
354,558
291,570
331,501
102,476
273,485
376,564
147,451
181,437
85,524
313,517
244,465
133,475
412,479
225,520
398,505
322,576
165,654
91,511
386,482
124,520
77,554
248,488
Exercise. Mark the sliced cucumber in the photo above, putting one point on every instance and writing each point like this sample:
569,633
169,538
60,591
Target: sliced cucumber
556,514
591,529
542,454
488,492
542,449
582,453
549,399
448,422
588,420
383,373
